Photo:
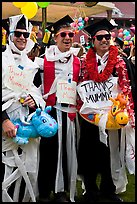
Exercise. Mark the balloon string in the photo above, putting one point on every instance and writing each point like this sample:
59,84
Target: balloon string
80,11
84,13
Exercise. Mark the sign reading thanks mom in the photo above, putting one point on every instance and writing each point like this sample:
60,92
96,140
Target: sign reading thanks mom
17,79
96,95
66,92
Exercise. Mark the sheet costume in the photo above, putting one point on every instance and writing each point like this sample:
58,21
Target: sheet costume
20,161
60,174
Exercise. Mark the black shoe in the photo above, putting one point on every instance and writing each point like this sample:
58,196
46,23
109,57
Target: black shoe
91,197
44,200
60,197
113,197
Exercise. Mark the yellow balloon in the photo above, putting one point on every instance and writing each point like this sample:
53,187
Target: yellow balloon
30,9
19,4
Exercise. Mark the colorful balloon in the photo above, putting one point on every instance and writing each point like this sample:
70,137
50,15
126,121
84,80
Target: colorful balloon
43,4
126,42
76,31
132,29
127,33
124,31
120,34
80,19
128,37
80,24
30,9
120,30
130,43
86,19
19,4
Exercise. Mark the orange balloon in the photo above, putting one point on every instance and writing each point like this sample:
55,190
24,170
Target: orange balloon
19,4
30,9
76,31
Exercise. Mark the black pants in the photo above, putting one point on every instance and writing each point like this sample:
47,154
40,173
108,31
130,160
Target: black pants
94,159
49,158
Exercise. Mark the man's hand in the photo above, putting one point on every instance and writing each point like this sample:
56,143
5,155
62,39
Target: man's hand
29,101
9,128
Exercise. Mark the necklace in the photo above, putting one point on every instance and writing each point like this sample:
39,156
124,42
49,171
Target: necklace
124,83
92,65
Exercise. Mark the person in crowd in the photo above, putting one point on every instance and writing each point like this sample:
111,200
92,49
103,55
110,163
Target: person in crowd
88,44
98,151
58,161
129,60
21,95
82,50
126,48
35,52
132,54
120,43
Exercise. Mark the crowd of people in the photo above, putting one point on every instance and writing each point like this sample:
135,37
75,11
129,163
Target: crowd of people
73,80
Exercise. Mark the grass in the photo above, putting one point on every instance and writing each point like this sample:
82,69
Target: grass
128,196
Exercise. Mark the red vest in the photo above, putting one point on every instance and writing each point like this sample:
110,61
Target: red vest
49,76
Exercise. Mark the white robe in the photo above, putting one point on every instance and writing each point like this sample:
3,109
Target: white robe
62,71
26,164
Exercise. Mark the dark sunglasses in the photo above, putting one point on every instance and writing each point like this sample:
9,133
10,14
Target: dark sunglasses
63,34
100,37
18,34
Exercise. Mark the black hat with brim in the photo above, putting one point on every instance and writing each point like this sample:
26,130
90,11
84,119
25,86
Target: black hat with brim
119,41
103,24
66,20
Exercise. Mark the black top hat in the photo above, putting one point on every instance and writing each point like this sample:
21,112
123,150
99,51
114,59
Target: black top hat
104,24
65,21
119,41
21,23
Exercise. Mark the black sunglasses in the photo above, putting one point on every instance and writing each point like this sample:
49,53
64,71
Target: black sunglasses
100,37
63,34
18,34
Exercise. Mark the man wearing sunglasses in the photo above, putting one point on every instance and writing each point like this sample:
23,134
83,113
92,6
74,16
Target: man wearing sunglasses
98,151
21,95
61,70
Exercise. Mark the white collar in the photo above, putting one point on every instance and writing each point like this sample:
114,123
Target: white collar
102,59
54,54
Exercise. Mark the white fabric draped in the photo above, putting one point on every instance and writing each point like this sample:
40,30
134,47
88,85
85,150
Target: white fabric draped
25,165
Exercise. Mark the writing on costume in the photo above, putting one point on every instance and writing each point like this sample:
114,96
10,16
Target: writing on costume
96,94
98,91
18,79
66,92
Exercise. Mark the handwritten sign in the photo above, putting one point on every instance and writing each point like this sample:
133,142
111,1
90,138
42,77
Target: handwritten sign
96,95
66,92
17,79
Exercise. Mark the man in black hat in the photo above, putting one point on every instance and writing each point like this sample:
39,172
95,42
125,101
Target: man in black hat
119,43
21,95
58,163
103,66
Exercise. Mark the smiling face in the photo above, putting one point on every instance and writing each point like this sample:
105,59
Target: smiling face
64,41
19,40
102,46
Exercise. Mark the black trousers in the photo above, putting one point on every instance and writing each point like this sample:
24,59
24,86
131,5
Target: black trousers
94,159
49,158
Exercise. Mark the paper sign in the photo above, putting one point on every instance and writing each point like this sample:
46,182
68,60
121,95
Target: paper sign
82,39
18,80
66,92
96,95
